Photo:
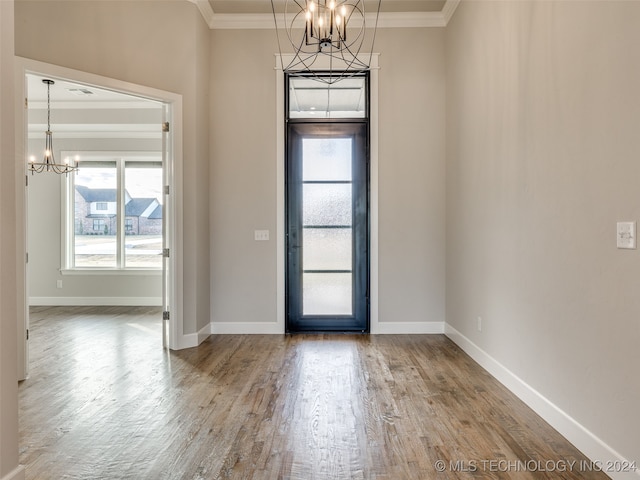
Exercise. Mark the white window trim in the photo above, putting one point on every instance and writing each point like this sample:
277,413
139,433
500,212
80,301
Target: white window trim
68,209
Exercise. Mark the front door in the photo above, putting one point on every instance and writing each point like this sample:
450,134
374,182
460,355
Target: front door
327,227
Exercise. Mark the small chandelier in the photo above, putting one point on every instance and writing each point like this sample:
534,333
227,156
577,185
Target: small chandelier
49,164
333,29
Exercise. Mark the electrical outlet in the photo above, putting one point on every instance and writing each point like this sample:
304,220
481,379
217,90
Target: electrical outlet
479,324
261,235
58,283
626,235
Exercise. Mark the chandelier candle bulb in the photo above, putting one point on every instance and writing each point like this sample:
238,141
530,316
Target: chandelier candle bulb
312,10
344,27
332,7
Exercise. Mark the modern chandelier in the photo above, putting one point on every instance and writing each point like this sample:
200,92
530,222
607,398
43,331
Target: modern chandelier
49,164
331,30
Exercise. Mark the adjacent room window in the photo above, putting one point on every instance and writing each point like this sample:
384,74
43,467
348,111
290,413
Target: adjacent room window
115,213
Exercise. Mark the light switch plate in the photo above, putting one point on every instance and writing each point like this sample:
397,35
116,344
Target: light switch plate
261,235
626,235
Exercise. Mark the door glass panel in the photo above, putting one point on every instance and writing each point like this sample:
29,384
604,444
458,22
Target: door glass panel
327,249
143,214
327,218
326,204
327,294
95,215
325,159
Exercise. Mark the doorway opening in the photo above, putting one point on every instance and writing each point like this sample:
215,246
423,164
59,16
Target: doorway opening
327,205
101,236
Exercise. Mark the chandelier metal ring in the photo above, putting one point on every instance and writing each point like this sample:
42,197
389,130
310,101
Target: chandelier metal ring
332,29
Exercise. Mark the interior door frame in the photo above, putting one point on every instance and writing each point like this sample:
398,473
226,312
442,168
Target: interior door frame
322,63
172,171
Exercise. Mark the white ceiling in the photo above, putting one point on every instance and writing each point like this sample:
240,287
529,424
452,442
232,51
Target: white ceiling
68,94
84,111
247,14
264,6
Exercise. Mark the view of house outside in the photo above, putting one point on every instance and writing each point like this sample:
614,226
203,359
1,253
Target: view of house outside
96,221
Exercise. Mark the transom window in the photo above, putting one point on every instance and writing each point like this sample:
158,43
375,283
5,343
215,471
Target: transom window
114,213
314,100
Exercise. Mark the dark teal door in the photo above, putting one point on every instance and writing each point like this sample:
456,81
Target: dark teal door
327,227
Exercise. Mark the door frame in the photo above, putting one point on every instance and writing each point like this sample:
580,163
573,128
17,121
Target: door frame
174,233
322,63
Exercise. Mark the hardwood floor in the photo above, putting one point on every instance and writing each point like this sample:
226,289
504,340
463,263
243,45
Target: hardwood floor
104,401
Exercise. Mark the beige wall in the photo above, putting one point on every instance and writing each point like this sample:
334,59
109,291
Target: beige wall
543,112
411,171
155,44
243,175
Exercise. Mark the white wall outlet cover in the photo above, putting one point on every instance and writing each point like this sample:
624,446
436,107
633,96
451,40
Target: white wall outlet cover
261,235
626,235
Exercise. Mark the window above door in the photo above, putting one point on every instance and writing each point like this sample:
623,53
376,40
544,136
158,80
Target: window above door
311,99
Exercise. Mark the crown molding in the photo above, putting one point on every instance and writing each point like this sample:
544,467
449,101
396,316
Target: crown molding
449,9
264,21
205,10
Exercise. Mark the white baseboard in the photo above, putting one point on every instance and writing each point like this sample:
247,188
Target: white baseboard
407,328
276,328
16,474
247,328
593,447
193,339
95,301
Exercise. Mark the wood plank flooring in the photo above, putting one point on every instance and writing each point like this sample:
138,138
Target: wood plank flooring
104,401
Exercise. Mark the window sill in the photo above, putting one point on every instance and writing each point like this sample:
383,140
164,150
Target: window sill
112,271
